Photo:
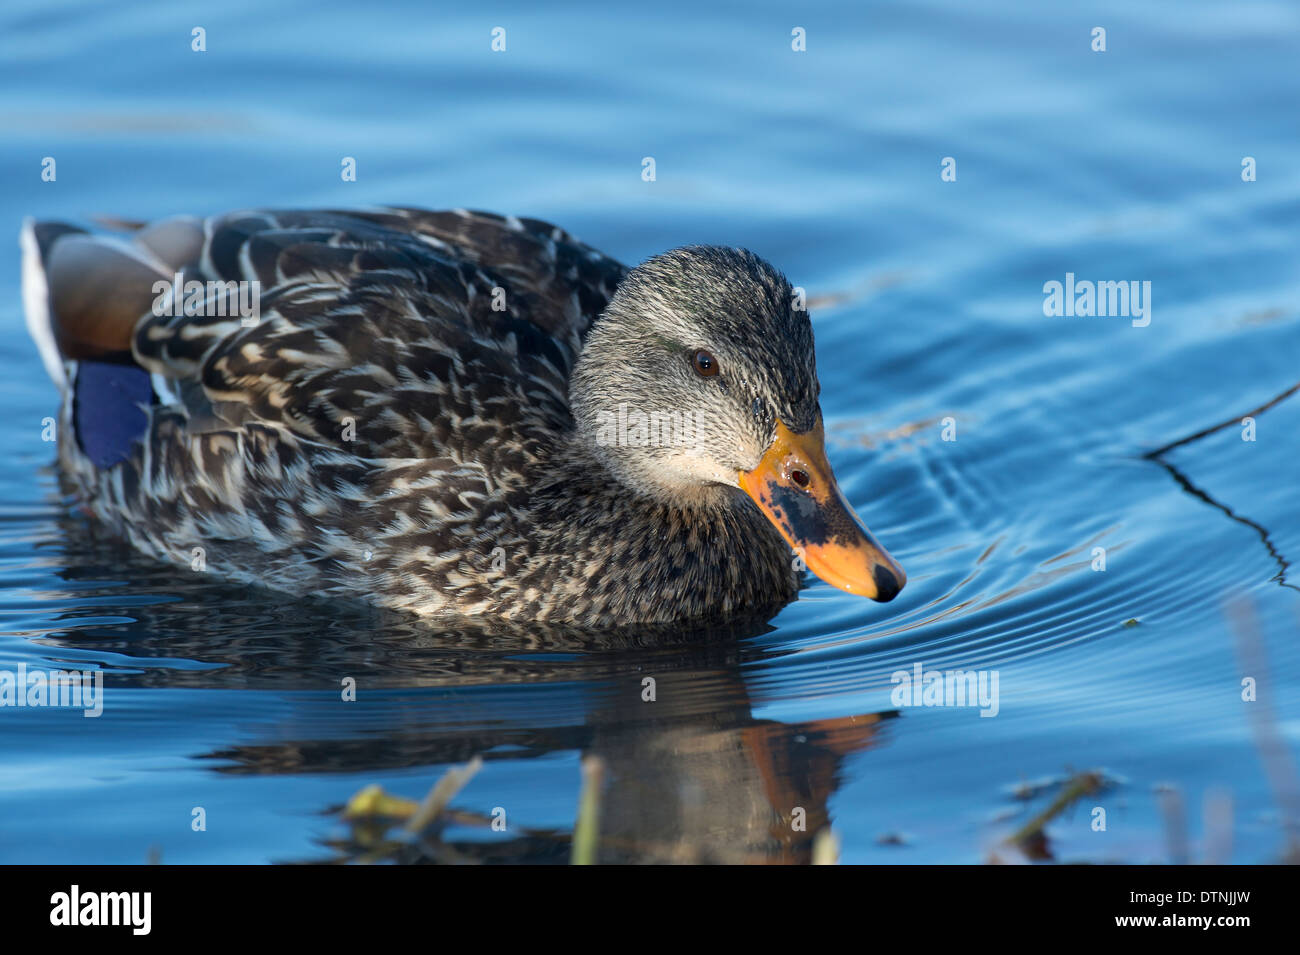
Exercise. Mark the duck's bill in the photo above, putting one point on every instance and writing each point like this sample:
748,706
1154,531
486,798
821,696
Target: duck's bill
794,488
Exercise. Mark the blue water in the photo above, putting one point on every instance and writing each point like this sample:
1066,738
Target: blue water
928,309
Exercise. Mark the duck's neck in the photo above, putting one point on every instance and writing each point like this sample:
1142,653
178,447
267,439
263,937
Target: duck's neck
609,552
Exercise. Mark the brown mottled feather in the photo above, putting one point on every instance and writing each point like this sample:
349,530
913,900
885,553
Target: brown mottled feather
382,431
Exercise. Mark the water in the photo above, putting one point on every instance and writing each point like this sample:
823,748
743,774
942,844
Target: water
1122,165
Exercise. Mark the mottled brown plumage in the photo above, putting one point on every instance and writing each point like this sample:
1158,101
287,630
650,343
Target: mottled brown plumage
415,418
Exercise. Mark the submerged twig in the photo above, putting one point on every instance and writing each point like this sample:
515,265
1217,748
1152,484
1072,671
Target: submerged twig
1174,810
826,848
1158,453
1217,813
1235,419
1031,838
443,792
586,831
1279,765
1284,565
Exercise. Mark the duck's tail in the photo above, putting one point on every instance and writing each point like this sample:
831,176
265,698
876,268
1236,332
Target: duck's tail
84,295
35,241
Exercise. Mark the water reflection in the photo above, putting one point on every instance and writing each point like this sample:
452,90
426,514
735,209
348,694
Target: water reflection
722,787
691,774
687,778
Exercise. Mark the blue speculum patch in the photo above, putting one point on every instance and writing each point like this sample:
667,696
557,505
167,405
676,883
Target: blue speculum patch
108,409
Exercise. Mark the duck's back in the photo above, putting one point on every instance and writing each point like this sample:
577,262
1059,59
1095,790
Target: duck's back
338,384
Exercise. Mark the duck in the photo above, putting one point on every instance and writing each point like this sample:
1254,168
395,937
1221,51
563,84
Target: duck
447,413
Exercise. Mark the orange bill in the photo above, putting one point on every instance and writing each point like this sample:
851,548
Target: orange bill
794,488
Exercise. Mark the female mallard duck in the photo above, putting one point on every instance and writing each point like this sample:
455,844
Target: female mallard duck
448,413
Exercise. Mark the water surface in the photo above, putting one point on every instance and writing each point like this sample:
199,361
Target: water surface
928,310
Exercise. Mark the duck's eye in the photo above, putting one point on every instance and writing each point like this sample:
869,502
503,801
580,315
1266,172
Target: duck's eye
706,366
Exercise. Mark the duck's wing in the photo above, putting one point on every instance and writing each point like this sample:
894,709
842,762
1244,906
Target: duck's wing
366,422
395,333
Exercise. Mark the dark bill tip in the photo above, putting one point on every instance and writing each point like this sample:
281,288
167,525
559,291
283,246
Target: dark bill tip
887,585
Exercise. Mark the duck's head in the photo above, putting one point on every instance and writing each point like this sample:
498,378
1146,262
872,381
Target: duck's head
699,379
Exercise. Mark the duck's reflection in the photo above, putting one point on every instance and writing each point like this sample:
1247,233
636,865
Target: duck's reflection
691,775
701,780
